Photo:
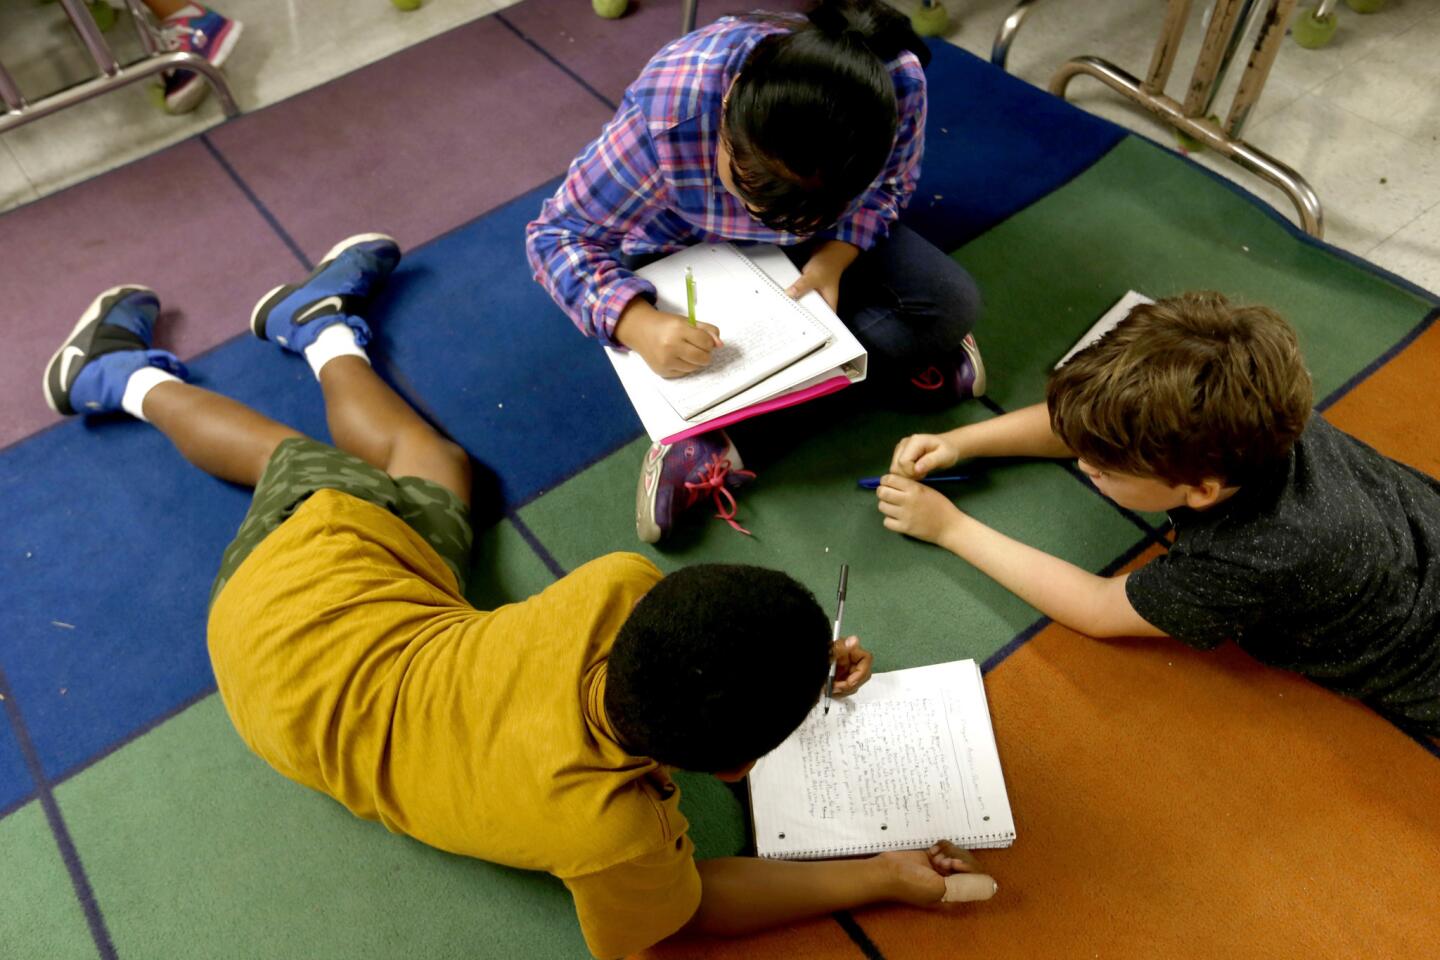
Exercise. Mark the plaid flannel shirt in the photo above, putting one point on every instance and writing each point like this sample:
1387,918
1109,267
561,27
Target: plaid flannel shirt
649,185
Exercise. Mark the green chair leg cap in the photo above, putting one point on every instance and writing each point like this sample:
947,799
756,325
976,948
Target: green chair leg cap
1366,6
1191,144
1188,143
104,15
1312,32
930,20
407,5
610,9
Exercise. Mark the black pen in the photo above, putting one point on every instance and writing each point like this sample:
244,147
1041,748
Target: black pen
835,634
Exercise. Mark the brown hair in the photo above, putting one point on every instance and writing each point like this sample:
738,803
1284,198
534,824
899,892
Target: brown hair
1183,390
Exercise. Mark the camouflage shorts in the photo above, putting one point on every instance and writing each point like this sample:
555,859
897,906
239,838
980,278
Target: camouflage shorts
300,467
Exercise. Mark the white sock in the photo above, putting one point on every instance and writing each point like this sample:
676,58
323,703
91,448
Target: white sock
336,340
141,382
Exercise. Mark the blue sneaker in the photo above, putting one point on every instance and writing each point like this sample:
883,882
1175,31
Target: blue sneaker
110,342
293,315
676,476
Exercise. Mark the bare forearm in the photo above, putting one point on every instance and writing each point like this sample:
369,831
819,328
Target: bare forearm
1021,433
745,894
1065,593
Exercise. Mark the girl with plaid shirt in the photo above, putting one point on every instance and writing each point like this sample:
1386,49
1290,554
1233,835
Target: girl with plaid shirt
805,132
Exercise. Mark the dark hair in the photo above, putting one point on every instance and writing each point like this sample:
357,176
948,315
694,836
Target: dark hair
716,666
1187,389
811,118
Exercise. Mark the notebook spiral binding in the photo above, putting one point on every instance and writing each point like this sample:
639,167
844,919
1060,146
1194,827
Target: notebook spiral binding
983,841
769,281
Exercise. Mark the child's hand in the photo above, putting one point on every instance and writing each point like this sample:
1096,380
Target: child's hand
917,455
914,509
666,341
942,874
823,270
820,277
852,666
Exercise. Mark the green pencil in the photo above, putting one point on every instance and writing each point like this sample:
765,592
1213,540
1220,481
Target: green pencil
690,295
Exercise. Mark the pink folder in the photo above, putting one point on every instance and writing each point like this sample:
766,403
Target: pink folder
821,389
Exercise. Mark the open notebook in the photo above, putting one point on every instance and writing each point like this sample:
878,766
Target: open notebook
1106,323
777,350
907,760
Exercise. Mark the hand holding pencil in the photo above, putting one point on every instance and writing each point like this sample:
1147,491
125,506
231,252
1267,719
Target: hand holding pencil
669,344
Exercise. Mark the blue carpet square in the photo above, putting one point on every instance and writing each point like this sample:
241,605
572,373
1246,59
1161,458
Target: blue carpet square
994,145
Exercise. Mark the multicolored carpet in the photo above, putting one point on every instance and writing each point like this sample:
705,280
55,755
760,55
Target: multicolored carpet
1168,803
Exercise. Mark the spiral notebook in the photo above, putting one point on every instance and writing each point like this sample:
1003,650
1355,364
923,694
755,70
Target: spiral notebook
763,329
777,349
907,760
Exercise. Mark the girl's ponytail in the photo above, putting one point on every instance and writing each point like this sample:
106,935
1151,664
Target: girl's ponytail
873,24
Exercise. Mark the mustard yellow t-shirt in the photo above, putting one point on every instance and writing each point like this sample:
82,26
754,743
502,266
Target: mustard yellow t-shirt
348,661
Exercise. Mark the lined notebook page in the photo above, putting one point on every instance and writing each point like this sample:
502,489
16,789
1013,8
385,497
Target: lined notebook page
763,329
908,760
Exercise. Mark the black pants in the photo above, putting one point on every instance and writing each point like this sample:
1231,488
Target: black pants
907,303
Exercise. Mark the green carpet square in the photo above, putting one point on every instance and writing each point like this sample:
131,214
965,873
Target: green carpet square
910,602
39,913
197,849
503,568
1141,219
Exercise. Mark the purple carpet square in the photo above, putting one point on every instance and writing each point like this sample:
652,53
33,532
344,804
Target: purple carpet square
174,221
415,144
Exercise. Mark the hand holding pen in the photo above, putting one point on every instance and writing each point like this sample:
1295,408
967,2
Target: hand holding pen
850,663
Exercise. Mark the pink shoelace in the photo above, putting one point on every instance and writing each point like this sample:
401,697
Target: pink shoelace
712,481
930,379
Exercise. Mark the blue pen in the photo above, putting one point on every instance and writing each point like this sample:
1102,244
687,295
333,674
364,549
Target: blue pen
871,483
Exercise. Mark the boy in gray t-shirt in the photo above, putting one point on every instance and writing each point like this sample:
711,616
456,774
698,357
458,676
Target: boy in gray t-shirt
1305,546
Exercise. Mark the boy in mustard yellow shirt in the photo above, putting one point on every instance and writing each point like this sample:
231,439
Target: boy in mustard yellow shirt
538,735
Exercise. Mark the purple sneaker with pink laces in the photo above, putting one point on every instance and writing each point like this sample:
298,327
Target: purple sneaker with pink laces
958,380
676,476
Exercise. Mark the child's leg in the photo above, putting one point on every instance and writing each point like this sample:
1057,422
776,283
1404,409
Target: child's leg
370,420
107,364
320,319
219,435
913,308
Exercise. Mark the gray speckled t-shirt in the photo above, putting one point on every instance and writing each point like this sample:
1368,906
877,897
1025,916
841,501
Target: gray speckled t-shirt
1330,568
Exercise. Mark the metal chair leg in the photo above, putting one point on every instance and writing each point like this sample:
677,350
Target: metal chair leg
84,25
1301,194
1257,71
10,93
1000,51
112,75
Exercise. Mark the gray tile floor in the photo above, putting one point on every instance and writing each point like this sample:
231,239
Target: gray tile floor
1360,119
